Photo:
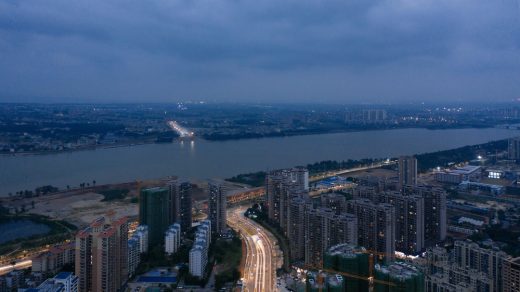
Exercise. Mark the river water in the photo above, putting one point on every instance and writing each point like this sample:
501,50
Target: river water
220,159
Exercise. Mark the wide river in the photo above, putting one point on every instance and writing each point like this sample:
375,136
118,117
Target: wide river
205,159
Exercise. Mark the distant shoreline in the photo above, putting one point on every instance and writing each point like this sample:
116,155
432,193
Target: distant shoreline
74,150
236,137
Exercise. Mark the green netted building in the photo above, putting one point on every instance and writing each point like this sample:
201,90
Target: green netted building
335,283
154,211
313,283
348,259
402,277
327,283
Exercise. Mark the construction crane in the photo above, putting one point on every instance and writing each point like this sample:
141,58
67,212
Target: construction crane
138,191
371,279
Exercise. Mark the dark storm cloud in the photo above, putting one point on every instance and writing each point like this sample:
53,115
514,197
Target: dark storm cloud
337,51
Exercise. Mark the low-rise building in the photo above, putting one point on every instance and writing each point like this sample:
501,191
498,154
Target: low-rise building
53,260
460,174
63,282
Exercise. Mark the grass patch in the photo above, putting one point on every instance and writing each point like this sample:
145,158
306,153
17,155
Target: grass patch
228,254
254,179
115,194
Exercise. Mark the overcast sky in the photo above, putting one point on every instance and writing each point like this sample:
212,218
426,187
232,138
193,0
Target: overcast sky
346,51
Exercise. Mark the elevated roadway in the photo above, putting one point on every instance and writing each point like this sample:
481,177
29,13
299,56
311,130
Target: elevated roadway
262,253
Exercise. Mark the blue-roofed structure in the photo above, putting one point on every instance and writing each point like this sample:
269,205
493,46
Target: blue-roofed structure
158,276
62,282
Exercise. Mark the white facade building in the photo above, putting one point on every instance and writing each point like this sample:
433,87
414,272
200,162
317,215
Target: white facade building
198,260
460,174
62,282
134,254
172,239
142,234
199,251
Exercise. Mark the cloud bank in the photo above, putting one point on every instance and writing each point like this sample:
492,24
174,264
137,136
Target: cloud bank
259,51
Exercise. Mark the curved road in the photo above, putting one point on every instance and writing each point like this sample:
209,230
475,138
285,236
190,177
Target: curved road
262,252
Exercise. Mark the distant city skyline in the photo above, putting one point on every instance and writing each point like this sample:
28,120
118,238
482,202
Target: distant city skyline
270,51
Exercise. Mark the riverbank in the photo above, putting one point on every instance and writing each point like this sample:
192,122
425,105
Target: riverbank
426,161
88,148
246,136
361,128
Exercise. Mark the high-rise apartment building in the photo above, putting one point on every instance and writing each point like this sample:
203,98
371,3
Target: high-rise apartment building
323,229
437,259
420,214
134,255
339,229
296,232
365,116
379,184
376,225
470,267
434,212
407,171
513,148
199,252
366,192
217,206
137,245
141,234
336,202
471,256
180,204
409,221
281,187
102,255
277,186
511,275
300,178
155,212
314,237
456,279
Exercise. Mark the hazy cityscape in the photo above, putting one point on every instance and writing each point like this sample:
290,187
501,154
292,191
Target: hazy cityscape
325,146
40,128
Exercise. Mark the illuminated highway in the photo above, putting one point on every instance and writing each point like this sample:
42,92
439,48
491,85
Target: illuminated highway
262,253
183,132
355,169
18,266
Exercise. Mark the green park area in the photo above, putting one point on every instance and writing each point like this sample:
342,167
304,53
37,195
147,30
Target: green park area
227,255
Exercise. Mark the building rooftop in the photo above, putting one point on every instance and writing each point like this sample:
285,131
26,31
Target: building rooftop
346,249
155,190
63,275
399,270
468,169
